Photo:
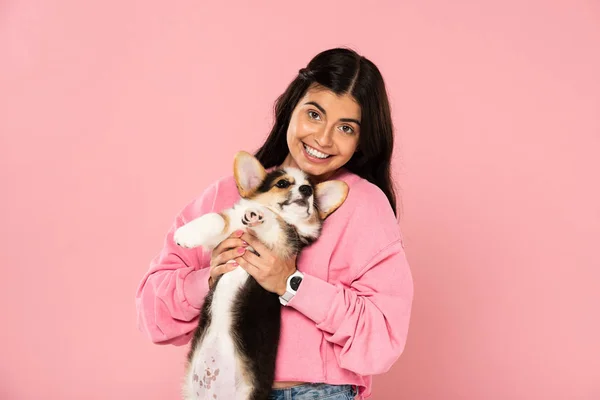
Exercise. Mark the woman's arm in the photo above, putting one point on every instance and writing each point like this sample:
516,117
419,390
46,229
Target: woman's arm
171,293
367,321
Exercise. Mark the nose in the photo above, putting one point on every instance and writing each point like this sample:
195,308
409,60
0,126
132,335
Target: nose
305,190
324,138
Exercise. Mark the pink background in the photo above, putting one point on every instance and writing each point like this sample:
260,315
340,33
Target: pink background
114,114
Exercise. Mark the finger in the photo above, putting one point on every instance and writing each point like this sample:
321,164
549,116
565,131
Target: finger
224,268
228,244
255,243
236,234
228,255
253,259
250,268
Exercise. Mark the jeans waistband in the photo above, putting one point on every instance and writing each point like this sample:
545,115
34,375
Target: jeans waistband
312,389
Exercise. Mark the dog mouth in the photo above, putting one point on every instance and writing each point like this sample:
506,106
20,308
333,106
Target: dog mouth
299,202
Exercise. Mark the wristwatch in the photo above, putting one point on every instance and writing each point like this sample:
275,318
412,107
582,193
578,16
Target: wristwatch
291,287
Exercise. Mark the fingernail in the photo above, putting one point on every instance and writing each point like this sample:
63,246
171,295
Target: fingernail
234,264
239,233
241,250
244,242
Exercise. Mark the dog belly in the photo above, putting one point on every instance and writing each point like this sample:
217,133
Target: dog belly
216,371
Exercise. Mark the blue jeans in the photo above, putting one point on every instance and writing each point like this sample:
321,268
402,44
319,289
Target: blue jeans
315,391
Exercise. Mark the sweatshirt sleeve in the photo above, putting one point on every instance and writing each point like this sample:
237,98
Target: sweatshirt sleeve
367,321
171,293
363,308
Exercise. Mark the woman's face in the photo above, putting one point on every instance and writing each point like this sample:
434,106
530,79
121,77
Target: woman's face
323,132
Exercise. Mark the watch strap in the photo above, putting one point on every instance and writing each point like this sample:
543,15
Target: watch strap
289,294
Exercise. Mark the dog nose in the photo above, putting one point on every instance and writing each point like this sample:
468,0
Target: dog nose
305,190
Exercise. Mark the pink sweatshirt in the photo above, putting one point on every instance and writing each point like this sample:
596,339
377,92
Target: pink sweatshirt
350,316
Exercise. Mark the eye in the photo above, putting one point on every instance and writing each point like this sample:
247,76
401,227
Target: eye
282,184
347,129
314,115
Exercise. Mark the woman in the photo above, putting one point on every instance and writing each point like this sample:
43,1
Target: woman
348,318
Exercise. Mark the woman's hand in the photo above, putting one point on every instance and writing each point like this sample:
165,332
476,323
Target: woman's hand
270,271
228,250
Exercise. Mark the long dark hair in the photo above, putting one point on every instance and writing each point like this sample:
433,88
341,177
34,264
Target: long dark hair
342,71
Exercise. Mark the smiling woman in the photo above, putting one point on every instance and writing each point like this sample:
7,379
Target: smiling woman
335,110
346,307
323,132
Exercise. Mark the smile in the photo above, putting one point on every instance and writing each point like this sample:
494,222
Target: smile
315,153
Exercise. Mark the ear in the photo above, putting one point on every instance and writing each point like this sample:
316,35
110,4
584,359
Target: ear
248,173
330,195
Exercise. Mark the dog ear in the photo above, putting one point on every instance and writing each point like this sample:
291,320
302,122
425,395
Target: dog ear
248,173
330,195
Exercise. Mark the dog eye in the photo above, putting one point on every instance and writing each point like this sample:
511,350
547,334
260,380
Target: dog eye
282,184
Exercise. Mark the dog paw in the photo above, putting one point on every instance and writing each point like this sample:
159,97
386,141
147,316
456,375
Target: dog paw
204,231
253,217
187,237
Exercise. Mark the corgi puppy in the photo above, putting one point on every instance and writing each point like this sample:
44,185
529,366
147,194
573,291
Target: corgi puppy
233,351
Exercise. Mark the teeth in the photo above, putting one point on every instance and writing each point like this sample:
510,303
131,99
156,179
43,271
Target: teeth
315,153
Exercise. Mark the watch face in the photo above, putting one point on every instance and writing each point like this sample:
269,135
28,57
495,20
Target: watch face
295,282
